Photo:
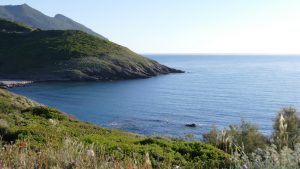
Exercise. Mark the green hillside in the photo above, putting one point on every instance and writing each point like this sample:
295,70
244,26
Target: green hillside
14,27
42,129
69,55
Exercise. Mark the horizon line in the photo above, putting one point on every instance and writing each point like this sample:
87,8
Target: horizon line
245,54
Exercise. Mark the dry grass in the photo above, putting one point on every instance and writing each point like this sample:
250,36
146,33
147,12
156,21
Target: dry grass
73,155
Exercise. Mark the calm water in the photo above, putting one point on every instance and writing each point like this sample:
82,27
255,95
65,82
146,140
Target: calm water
216,90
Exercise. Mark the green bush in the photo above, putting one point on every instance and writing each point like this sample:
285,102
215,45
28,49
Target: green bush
286,128
46,112
244,136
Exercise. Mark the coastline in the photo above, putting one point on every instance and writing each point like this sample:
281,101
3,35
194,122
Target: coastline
5,84
10,83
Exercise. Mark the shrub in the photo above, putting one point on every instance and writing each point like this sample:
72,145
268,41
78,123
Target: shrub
212,136
286,128
3,127
45,112
244,136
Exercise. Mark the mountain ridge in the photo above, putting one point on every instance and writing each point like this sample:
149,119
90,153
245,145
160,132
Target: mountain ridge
27,15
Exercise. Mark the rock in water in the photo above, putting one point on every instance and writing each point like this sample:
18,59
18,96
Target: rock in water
191,125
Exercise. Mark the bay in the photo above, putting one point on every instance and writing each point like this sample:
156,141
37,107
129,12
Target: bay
216,90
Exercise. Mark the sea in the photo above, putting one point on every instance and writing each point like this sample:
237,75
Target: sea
215,91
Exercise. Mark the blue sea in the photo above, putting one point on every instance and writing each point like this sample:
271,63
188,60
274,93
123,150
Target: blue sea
216,90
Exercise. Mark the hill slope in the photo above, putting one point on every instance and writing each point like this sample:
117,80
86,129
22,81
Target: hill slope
23,121
68,55
12,27
29,16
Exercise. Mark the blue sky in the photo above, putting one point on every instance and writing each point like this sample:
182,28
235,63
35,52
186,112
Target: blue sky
190,26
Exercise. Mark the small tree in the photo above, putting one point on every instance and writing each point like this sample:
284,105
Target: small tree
286,128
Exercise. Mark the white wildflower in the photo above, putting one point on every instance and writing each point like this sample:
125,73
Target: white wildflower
281,122
285,126
67,142
53,122
147,160
90,153
23,159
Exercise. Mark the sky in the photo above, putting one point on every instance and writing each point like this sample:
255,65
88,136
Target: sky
186,26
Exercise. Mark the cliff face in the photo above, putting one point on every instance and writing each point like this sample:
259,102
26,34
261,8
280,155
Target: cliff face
37,55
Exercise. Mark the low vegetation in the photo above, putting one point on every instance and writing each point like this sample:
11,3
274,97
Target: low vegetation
251,149
43,137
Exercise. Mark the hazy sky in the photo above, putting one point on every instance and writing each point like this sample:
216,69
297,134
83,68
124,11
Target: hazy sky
186,26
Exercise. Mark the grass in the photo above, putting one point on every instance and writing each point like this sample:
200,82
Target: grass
47,133
73,154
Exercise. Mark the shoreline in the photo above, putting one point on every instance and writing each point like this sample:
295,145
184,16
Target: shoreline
5,84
